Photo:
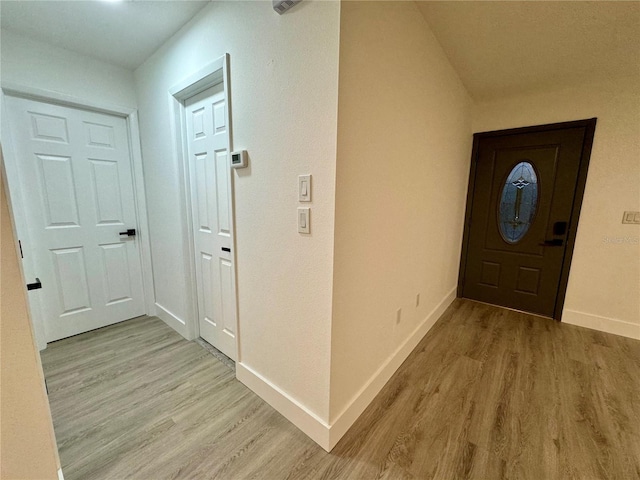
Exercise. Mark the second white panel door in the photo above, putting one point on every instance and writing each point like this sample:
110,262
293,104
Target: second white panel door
210,185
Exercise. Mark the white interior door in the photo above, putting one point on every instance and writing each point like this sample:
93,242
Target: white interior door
210,181
75,177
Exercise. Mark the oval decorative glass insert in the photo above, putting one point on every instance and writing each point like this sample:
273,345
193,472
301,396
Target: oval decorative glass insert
518,202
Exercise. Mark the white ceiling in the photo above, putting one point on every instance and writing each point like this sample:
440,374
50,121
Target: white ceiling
509,47
122,33
497,47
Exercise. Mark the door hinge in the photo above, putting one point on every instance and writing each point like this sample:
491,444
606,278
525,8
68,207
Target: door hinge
35,285
20,245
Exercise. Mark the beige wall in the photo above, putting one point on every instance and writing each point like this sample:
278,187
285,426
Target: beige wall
404,140
605,272
28,449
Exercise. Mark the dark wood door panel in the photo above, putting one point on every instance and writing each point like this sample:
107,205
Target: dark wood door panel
524,196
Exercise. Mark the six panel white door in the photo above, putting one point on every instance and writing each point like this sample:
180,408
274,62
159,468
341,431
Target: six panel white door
210,181
76,181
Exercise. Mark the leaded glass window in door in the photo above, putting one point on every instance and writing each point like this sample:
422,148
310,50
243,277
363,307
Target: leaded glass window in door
518,202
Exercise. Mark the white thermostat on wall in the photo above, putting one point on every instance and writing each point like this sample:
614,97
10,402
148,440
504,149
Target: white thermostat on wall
239,159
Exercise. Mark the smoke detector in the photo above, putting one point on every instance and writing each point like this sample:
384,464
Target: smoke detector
282,6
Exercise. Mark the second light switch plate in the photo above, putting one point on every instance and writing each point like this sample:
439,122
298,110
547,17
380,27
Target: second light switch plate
304,188
304,220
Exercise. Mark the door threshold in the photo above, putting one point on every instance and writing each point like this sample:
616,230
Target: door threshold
511,309
216,353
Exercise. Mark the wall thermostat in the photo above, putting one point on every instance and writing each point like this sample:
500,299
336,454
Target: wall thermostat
239,159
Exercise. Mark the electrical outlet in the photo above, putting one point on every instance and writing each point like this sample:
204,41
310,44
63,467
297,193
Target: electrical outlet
418,300
631,217
398,316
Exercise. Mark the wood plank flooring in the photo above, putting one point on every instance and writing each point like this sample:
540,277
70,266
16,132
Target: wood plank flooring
488,394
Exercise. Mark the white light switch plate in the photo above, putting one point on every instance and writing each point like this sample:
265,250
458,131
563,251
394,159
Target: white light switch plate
304,188
303,220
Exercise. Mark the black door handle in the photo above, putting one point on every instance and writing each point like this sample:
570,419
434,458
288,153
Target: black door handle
35,285
130,233
225,249
556,242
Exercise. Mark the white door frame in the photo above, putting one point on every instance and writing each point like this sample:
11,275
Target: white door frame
210,75
17,203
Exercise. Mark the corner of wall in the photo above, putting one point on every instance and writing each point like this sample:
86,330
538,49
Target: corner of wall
294,411
359,402
404,144
174,321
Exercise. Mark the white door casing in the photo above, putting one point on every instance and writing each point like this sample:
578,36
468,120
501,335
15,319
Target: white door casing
207,133
75,173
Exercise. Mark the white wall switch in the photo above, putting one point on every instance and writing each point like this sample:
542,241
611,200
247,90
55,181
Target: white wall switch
631,217
304,188
304,220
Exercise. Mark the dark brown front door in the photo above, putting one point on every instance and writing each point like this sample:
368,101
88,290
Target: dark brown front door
524,198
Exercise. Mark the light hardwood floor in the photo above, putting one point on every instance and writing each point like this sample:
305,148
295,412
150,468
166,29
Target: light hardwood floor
488,394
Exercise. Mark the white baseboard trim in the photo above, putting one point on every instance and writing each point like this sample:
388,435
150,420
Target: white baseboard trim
172,320
604,324
368,392
60,476
303,418
325,435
